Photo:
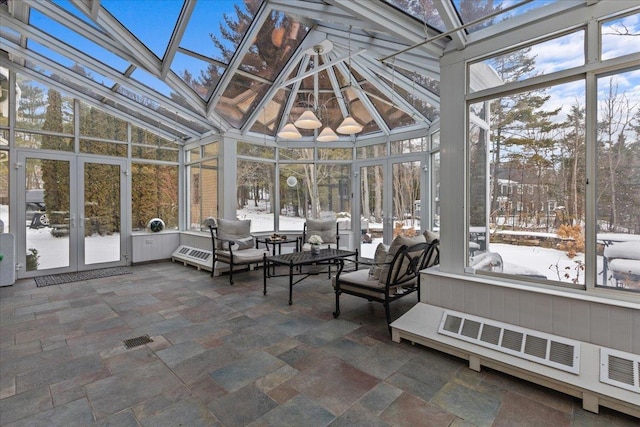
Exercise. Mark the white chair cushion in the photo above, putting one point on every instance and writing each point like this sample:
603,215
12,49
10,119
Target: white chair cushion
325,228
245,256
236,230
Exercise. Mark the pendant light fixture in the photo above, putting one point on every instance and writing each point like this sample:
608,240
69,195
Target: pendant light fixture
349,125
313,117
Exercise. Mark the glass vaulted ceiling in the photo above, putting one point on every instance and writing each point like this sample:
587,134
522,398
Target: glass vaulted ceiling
190,68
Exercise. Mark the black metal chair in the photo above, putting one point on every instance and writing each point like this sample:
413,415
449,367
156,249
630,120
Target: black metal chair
327,229
399,276
234,245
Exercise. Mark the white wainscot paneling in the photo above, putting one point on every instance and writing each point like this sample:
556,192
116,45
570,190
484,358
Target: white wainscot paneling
154,246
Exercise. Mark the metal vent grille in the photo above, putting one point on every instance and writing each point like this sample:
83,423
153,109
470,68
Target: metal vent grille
512,340
561,353
490,334
536,346
452,324
471,329
137,341
193,256
620,369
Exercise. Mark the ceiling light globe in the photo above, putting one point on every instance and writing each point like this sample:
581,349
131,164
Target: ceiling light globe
327,135
349,126
308,120
289,132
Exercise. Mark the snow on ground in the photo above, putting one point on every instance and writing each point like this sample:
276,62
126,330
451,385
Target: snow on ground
54,251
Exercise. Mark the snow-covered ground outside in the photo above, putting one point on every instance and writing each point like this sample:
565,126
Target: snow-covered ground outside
516,259
54,251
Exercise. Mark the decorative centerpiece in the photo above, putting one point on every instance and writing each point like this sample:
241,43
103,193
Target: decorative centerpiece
315,241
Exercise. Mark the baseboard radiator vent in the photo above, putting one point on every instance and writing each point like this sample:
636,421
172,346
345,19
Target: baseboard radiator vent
200,258
620,369
546,349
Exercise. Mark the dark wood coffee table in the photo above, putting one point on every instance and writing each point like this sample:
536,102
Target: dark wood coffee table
299,259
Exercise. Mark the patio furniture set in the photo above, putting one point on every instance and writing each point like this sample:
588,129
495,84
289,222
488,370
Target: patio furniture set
392,274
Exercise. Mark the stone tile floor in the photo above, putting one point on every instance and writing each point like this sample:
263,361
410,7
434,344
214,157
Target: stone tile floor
228,356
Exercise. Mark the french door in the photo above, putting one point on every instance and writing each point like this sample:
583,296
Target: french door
389,200
73,210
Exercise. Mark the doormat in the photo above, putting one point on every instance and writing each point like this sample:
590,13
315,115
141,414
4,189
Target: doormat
58,279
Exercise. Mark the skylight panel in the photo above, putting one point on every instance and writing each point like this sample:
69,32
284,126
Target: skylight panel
273,46
422,10
150,21
240,98
138,97
389,111
426,109
151,81
472,10
205,23
200,75
49,54
77,41
214,29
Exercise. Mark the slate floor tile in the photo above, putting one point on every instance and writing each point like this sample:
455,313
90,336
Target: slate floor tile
227,355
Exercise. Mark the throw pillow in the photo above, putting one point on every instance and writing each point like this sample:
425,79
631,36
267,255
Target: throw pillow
431,236
396,244
378,258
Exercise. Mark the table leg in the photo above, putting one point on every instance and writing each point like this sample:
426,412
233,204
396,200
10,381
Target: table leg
290,284
265,268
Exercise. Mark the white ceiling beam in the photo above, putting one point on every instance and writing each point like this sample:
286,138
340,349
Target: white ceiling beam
94,8
176,36
418,61
316,70
382,14
450,18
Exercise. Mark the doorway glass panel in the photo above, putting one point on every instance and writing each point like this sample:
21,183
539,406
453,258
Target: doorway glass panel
47,213
406,198
371,208
101,220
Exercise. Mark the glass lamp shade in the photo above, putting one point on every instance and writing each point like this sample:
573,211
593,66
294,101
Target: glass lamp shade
349,126
289,131
327,135
308,120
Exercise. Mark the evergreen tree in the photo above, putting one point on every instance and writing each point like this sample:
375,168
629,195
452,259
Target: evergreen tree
55,172
512,66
